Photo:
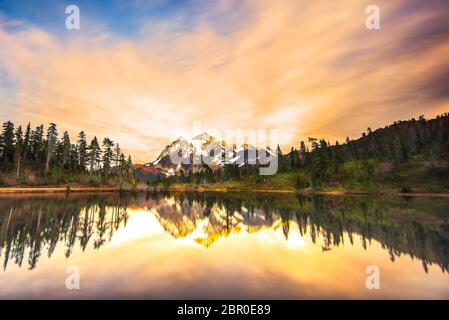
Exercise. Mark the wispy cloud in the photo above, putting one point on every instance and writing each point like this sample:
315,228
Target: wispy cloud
308,68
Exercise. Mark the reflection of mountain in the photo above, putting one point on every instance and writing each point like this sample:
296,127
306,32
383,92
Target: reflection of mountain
418,228
206,223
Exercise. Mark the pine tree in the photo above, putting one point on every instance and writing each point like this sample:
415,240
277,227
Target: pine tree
336,158
292,158
281,160
18,149
302,154
37,145
129,165
108,155
26,142
74,163
52,139
403,151
122,164
82,151
117,153
7,142
94,155
58,155
66,147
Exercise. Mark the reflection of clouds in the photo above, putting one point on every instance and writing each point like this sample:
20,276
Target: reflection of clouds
311,66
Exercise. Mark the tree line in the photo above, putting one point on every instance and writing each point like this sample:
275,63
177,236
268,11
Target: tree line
45,152
400,142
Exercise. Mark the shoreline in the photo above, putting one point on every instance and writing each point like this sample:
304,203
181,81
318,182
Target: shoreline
43,190
58,190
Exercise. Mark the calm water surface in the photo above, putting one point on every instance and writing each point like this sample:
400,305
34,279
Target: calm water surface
190,246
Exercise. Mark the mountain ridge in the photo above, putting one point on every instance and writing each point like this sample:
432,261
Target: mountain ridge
193,154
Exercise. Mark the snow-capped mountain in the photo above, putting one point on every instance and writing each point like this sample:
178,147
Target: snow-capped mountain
182,155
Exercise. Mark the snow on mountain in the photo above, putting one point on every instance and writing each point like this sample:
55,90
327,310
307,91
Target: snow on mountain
183,155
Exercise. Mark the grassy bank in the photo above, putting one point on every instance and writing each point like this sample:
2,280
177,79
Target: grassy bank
26,190
415,177
32,180
368,177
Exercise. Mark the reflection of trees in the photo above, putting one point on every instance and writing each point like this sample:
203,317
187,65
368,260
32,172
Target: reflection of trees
39,224
418,228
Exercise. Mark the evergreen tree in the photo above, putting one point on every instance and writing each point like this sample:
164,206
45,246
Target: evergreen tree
117,153
302,154
336,158
129,165
66,147
108,155
7,142
82,151
26,142
292,158
74,163
51,142
122,164
94,155
37,145
282,162
58,155
18,149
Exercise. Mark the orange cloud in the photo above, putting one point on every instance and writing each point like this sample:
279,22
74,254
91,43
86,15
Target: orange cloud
306,68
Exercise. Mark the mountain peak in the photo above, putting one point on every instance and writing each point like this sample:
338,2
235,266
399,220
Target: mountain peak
204,136
200,146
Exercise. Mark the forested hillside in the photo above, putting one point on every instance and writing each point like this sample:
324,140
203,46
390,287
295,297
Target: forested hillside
40,157
400,143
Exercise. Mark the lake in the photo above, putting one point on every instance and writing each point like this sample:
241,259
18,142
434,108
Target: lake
223,245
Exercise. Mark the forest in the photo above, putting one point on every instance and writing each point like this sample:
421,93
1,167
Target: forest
40,157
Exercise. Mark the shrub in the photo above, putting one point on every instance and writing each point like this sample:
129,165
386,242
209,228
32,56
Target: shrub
299,183
406,189
22,179
94,182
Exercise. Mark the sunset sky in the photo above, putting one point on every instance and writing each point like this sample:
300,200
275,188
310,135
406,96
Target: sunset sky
139,70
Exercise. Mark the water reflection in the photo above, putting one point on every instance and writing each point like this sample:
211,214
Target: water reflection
31,227
35,225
